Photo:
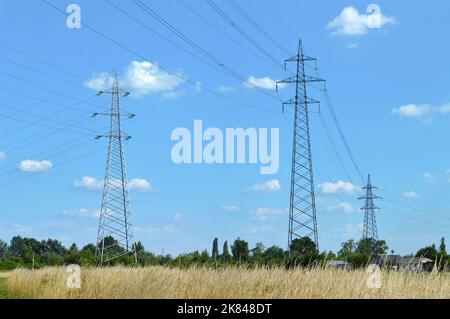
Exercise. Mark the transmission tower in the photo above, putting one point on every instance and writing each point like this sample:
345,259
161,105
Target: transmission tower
115,236
370,222
302,207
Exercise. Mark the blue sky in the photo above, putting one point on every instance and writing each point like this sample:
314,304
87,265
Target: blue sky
388,85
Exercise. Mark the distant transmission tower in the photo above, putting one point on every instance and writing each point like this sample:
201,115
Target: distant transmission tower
115,236
302,208
370,222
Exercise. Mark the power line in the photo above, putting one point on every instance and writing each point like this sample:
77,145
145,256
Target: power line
243,33
118,44
257,26
55,166
228,70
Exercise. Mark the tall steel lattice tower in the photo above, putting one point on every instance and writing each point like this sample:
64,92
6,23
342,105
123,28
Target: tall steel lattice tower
370,222
115,237
302,208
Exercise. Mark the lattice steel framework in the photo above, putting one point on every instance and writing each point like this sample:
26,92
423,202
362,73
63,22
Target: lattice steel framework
302,208
115,237
370,222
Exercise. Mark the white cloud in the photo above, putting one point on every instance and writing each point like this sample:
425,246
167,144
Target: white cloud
341,207
82,212
224,88
265,214
135,184
340,186
352,230
141,185
352,45
89,183
35,166
351,23
198,87
2,156
412,110
140,78
411,195
263,83
230,208
266,187
178,217
429,177
260,230
419,111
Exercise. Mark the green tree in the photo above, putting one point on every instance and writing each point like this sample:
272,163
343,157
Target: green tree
428,252
215,249
371,247
442,248
347,249
303,246
3,249
225,253
239,249
258,251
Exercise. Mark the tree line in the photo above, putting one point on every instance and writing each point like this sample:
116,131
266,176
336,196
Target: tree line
32,253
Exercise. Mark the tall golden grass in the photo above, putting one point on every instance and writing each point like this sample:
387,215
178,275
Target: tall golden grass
163,282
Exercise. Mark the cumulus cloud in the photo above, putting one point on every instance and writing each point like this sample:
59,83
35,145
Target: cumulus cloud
88,183
410,195
230,208
35,166
178,216
266,187
429,177
265,214
265,83
140,78
419,111
141,185
340,186
260,230
92,184
224,88
352,23
82,212
341,207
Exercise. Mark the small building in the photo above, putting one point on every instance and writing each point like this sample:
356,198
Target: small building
415,264
387,261
339,264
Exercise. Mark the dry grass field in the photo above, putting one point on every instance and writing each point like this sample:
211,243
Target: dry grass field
162,282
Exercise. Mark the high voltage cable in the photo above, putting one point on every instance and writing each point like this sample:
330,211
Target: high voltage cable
39,72
55,166
41,61
242,32
44,118
197,47
414,201
160,35
330,138
190,8
257,26
118,44
50,157
42,87
26,29
56,130
41,153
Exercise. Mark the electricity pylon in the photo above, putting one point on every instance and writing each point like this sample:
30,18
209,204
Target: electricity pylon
370,222
302,207
115,237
